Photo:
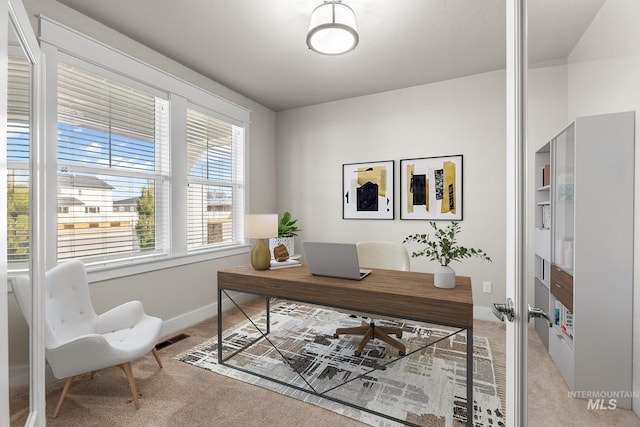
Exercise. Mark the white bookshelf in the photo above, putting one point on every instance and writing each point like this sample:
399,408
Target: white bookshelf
584,254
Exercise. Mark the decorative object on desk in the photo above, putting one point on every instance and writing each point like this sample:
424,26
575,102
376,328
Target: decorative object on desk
444,248
287,229
280,253
431,188
293,261
426,388
260,226
367,190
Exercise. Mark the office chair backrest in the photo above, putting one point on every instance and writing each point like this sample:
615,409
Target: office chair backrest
387,255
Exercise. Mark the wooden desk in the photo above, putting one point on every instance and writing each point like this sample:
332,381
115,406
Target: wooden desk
402,294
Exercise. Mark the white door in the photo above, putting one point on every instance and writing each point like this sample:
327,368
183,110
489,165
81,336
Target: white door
19,43
598,75
516,337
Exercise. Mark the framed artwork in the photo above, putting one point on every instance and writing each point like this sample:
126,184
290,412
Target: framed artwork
431,188
367,190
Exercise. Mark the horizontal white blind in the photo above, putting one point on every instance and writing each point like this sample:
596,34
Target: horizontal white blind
113,169
215,150
18,149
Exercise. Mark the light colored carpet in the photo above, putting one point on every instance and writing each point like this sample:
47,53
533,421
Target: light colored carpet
184,395
426,388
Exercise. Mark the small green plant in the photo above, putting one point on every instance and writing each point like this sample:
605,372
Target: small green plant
287,227
443,247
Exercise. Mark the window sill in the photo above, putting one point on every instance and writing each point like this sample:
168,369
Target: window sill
116,271
121,270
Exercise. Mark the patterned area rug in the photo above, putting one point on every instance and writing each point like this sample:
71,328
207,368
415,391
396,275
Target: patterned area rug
425,388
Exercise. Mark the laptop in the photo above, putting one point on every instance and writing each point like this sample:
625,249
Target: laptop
333,260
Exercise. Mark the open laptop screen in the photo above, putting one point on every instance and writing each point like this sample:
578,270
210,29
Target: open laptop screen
333,259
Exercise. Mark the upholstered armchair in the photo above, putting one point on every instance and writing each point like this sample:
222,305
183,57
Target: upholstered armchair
77,340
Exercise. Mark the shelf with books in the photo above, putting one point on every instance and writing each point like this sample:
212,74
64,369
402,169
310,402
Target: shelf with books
563,321
542,270
584,271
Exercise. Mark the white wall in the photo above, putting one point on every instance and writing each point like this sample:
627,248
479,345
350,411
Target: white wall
604,77
462,116
184,294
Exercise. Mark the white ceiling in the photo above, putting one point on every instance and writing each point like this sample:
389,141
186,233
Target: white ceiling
258,49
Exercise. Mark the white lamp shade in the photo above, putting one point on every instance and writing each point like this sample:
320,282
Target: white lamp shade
332,29
260,226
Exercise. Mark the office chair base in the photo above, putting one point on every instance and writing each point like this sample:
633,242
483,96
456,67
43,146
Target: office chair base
371,331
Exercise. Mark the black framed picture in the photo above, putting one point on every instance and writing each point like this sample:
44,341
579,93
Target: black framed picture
431,188
367,190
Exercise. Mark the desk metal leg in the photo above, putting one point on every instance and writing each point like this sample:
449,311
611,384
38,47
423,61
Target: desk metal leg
470,377
219,325
268,306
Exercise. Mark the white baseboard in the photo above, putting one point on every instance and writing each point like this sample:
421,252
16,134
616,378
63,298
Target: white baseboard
19,375
178,323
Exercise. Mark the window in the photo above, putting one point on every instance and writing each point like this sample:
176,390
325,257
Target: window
122,184
112,150
215,196
18,140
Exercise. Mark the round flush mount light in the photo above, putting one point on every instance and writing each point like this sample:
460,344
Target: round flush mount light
332,29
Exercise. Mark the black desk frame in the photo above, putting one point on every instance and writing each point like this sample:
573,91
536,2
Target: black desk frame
264,335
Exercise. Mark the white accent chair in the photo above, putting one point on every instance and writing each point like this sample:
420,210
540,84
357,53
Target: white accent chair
389,256
77,340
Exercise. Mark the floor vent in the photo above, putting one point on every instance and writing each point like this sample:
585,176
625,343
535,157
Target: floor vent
171,340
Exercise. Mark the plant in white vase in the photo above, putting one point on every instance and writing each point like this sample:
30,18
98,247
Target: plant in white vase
287,229
443,248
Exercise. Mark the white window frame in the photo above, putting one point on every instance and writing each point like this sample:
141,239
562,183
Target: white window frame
161,174
237,184
59,41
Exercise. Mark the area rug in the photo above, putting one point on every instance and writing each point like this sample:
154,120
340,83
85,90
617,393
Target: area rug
426,388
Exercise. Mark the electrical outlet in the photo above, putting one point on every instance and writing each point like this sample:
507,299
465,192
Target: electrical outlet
486,287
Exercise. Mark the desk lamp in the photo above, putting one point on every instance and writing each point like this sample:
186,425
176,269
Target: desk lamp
260,226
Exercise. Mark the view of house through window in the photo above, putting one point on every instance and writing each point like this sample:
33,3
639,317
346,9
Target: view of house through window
214,154
113,168
18,91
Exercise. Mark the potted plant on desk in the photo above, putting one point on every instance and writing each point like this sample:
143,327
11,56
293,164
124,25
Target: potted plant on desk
287,229
444,248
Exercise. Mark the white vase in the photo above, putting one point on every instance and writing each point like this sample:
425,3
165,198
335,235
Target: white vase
286,241
444,277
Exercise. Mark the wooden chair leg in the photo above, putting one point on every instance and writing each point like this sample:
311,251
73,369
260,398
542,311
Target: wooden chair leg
357,330
364,342
126,367
386,338
157,356
65,390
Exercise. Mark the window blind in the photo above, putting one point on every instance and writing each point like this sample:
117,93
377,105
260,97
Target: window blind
18,149
215,194
113,160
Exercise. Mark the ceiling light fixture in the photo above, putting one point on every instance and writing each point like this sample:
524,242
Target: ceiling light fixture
332,29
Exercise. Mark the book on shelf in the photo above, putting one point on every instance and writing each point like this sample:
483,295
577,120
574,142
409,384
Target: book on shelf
546,216
546,175
564,319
